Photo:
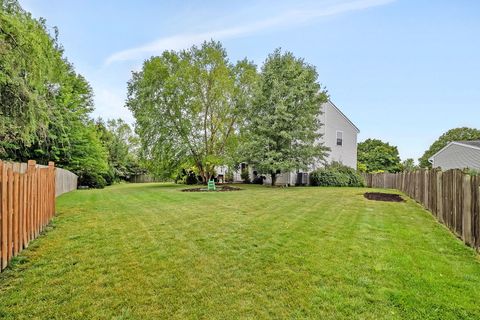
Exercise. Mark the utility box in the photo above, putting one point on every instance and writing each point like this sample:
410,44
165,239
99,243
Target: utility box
302,179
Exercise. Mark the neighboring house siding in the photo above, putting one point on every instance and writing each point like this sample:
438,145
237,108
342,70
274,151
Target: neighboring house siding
456,156
334,121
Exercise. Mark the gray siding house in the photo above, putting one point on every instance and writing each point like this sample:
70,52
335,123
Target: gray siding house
458,155
339,134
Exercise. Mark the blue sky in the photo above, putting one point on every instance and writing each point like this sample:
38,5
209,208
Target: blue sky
404,71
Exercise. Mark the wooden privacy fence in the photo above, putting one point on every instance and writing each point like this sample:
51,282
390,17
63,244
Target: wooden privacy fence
144,178
27,205
65,181
453,197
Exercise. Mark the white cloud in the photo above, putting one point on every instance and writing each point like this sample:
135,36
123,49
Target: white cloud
181,41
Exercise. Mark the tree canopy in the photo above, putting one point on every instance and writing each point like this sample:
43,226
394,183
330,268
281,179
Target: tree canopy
45,105
376,156
282,132
122,148
409,165
456,134
188,105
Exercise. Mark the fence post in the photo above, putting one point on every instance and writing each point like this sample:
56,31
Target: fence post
467,210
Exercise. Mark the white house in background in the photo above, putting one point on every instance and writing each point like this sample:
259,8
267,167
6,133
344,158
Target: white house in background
458,155
338,133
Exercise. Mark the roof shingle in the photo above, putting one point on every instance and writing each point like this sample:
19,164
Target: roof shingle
473,143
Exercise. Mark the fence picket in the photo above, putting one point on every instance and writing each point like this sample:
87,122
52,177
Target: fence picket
467,210
10,192
16,191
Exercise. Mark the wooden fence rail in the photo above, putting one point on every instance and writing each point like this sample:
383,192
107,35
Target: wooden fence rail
27,205
453,197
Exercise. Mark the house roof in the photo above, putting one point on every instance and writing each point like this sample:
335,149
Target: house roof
343,115
474,144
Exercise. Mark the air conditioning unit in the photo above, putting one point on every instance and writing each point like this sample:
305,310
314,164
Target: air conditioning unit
302,179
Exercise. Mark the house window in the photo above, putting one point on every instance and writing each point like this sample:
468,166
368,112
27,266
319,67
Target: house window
339,138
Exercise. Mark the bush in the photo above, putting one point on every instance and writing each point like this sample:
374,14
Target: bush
258,179
109,177
245,176
91,180
336,175
229,176
354,179
191,178
328,178
472,172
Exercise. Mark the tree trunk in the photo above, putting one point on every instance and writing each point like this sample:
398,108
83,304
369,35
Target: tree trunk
202,172
274,178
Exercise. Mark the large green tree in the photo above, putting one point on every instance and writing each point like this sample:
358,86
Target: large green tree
456,134
409,165
122,146
45,105
375,155
188,106
282,132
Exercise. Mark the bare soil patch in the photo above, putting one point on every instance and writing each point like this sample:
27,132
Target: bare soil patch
378,196
218,189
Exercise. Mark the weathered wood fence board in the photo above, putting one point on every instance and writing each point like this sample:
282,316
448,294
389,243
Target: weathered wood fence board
144,178
453,197
27,205
65,181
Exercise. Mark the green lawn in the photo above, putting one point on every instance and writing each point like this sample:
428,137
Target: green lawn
149,251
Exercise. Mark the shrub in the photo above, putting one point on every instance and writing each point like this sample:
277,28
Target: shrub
245,176
258,179
336,175
472,172
229,176
325,177
191,178
109,177
354,179
91,180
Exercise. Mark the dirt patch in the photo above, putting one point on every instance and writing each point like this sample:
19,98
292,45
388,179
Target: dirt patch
219,189
378,196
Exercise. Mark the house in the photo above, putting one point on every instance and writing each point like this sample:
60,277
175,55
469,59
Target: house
338,133
458,155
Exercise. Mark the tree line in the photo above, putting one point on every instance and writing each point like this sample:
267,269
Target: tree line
195,111
45,106
375,155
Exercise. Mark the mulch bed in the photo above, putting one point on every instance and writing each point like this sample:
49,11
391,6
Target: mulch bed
219,189
378,196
